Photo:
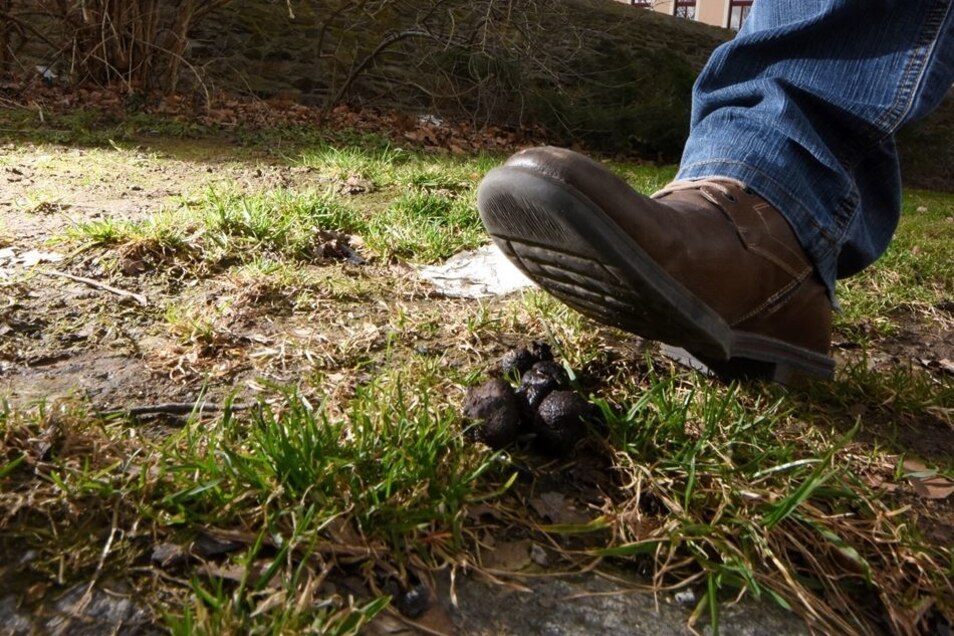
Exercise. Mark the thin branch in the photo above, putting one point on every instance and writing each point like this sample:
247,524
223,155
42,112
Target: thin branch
139,298
177,408
383,45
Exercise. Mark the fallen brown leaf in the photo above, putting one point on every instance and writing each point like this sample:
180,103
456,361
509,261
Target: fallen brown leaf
558,509
507,555
926,482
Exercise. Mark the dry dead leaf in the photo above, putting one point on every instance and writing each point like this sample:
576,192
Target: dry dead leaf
878,481
558,509
507,555
483,512
926,482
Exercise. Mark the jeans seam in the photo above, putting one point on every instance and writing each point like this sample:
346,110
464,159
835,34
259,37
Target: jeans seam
913,75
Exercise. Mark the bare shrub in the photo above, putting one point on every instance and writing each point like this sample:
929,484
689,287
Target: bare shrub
136,42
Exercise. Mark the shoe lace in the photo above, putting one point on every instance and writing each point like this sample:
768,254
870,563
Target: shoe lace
721,185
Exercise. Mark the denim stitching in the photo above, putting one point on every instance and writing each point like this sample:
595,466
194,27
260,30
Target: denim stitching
917,65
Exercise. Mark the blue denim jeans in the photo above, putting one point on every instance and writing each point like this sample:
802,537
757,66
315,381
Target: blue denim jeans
802,106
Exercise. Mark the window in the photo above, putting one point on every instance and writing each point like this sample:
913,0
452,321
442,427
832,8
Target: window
686,9
738,12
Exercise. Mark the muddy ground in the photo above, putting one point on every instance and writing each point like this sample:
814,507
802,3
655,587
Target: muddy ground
62,337
126,338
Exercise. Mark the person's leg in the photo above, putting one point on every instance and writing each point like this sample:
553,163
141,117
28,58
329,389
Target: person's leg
796,115
802,107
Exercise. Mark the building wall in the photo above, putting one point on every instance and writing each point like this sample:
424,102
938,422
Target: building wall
714,12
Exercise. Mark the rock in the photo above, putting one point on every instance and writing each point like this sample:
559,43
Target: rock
591,603
559,421
109,608
685,597
495,408
414,602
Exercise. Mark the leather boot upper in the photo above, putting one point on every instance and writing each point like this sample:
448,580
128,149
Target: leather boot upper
724,243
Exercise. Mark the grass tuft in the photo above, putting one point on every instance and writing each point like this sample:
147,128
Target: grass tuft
729,489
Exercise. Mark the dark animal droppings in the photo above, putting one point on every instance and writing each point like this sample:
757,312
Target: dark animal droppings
495,407
559,421
537,383
555,370
541,351
516,362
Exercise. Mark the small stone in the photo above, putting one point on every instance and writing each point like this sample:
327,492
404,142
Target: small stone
537,383
539,556
516,362
496,409
685,597
414,602
559,421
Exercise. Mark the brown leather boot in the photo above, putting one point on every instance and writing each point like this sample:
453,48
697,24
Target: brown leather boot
708,266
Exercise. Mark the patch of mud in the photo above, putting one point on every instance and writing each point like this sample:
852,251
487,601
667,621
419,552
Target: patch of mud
107,380
923,338
589,604
81,611
44,189
923,345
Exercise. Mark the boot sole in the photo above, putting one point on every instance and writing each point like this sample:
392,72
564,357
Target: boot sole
574,251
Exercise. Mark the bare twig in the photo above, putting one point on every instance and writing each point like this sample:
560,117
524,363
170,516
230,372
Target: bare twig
178,408
370,57
139,298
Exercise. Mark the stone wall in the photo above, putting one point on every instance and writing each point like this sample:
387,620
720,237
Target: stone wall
603,72
610,74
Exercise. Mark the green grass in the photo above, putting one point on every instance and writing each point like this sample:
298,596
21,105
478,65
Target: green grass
87,127
914,274
434,220
389,479
361,475
732,492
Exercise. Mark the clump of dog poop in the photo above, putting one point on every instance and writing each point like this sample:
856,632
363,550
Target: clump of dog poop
543,405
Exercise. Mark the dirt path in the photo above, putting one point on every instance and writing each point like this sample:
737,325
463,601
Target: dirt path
63,337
